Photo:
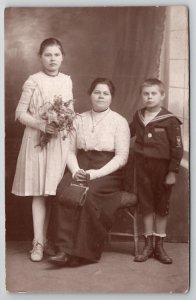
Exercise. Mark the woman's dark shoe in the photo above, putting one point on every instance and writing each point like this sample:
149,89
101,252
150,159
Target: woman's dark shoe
148,250
159,252
74,261
61,258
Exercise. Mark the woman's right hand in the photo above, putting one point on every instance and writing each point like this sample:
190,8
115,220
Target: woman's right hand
80,176
51,129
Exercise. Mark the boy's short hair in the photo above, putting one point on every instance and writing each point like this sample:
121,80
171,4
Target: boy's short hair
153,81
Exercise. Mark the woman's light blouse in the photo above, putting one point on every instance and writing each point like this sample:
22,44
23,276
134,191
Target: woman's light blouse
105,131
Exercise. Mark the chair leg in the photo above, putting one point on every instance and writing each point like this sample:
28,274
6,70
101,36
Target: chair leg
109,237
135,234
135,230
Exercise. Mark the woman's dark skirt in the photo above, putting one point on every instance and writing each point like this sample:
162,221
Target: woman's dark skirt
82,231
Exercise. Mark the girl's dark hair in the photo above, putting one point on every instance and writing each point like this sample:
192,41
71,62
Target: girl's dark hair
106,81
50,42
153,81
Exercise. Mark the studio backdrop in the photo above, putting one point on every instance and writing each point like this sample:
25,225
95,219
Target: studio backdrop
123,44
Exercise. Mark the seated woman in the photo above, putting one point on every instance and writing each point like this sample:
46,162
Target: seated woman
99,150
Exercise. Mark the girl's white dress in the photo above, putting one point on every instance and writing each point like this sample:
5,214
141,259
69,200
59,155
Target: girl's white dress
39,171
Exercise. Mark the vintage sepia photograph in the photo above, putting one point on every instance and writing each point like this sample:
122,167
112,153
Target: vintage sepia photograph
97,149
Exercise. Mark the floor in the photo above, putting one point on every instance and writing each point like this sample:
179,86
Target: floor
115,273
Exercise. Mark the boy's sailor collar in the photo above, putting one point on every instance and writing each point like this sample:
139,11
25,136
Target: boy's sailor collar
162,115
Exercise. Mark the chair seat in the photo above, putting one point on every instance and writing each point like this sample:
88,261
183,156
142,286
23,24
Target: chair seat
128,199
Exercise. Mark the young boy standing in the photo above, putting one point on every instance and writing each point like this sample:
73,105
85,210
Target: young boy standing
158,152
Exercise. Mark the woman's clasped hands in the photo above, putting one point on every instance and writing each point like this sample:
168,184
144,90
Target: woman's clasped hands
81,176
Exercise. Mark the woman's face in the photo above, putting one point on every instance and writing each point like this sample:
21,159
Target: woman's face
51,59
101,97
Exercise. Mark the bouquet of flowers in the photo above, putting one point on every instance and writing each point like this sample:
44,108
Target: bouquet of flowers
59,115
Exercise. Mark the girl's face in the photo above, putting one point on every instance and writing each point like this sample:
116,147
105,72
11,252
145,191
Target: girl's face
51,59
101,97
152,97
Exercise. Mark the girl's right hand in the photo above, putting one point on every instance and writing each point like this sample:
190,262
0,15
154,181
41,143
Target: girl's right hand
51,129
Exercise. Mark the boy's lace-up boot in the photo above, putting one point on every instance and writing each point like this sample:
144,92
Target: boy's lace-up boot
37,251
159,252
148,250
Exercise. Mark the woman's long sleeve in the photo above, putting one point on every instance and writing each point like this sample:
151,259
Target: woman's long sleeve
72,162
122,144
23,114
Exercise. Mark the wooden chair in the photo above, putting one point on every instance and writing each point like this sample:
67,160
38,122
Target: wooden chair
129,204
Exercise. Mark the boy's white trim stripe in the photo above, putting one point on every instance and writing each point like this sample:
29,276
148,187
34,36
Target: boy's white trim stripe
141,116
162,117
157,118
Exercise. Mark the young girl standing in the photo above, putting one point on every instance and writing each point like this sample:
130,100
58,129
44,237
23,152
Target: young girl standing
39,170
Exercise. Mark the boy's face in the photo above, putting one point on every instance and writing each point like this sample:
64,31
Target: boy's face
152,97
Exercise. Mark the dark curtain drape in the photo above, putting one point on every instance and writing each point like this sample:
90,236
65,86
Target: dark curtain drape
138,49
122,43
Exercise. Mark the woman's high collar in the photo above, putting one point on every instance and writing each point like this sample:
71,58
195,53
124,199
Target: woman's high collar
96,113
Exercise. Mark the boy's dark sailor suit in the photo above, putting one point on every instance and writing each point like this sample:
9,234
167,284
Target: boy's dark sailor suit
160,138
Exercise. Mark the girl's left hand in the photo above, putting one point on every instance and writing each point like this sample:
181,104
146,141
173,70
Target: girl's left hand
170,178
51,129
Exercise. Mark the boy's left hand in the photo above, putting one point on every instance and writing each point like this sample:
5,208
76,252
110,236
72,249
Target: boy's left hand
170,178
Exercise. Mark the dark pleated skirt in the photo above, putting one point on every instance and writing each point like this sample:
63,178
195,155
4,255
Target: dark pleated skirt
82,231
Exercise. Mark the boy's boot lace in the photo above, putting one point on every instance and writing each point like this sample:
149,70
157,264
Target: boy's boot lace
159,252
148,250
37,251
